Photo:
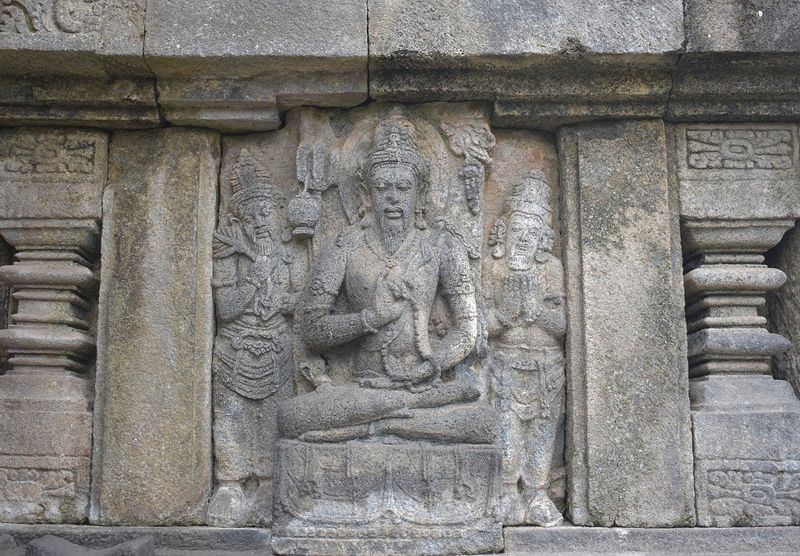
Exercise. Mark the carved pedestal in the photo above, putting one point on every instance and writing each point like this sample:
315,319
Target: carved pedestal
51,183
372,498
746,424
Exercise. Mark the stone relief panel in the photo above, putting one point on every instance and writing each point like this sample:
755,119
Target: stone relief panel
388,367
255,285
525,311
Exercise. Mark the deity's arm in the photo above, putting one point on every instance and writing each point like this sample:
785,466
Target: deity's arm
455,277
319,328
230,298
494,326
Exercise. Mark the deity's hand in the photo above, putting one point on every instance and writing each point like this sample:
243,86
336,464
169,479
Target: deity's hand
387,307
422,372
323,384
261,268
381,383
532,312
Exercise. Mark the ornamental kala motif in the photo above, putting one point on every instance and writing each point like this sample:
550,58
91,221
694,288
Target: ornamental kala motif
38,155
739,149
26,17
746,492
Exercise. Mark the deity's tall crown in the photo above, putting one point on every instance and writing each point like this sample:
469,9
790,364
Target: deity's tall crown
395,142
249,181
531,196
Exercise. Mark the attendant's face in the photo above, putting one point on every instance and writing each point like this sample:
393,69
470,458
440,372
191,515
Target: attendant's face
257,219
394,193
522,238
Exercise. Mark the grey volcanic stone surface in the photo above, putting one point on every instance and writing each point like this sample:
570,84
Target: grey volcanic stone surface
75,62
784,306
544,63
742,26
234,65
152,457
96,37
474,29
166,541
628,435
521,541
52,172
737,170
258,31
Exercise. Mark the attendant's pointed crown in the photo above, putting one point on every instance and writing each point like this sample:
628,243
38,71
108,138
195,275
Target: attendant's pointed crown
249,181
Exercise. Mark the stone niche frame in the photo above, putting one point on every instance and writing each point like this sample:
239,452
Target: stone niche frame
680,259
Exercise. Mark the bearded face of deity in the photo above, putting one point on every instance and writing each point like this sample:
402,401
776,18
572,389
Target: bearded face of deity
257,221
522,238
394,197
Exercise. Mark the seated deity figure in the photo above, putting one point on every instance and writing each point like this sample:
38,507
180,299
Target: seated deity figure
381,275
252,365
527,325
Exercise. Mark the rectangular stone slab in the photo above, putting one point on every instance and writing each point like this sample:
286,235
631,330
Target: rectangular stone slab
698,540
237,65
52,172
152,453
628,432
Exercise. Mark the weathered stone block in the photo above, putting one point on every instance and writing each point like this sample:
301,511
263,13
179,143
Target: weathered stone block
51,182
628,436
75,62
741,62
742,26
544,63
94,37
54,173
747,451
738,187
311,54
152,454
527,541
191,541
367,497
530,28
737,171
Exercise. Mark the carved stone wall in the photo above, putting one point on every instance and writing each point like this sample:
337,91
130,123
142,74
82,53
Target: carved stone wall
52,182
744,421
371,276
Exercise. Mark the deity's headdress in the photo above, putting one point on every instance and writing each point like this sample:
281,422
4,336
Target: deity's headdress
531,196
395,142
249,181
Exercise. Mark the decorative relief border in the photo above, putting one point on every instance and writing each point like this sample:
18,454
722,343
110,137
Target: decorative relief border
48,155
748,492
32,17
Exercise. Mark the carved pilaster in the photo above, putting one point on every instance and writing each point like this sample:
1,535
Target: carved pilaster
740,192
50,198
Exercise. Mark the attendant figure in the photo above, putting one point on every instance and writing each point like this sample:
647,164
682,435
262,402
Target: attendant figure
252,364
527,325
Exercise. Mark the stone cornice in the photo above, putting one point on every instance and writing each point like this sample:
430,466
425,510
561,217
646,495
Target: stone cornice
148,63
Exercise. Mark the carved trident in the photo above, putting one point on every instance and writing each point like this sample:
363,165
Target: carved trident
314,171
